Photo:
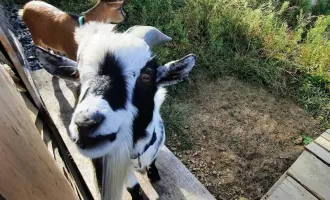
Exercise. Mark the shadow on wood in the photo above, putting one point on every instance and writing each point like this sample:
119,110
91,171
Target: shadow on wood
177,182
27,170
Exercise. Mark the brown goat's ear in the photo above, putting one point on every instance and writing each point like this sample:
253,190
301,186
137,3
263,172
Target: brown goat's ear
175,71
56,65
115,4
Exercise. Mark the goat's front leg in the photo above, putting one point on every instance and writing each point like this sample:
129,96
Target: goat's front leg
133,186
153,173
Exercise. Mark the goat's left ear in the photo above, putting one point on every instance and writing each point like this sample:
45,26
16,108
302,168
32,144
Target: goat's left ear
56,65
175,71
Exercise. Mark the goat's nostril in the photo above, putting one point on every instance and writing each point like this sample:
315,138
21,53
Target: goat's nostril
98,118
87,123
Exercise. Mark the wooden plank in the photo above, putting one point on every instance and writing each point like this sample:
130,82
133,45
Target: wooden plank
323,143
5,60
177,182
319,152
53,149
313,174
326,135
27,171
16,80
14,50
59,98
33,111
40,126
16,54
289,189
274,187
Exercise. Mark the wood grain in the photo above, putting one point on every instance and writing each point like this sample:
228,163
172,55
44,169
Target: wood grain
274,187
289,189
177,182
323,143
5,60
312,173
326,135
16,54
33,111
27,171
319,152
13,48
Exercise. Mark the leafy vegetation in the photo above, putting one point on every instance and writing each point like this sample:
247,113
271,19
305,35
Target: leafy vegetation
307,139
283,45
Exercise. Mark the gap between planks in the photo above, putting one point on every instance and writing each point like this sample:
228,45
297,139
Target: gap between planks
312,174
326,135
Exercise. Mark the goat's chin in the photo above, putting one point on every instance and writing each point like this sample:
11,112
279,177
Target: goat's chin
96,152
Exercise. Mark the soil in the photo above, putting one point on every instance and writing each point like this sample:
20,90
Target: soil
243,137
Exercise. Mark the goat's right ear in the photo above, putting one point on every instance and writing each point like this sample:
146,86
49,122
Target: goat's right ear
56,65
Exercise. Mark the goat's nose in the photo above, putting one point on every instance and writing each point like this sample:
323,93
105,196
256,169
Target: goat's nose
87,123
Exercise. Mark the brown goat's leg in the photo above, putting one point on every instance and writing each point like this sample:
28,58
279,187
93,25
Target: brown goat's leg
37,42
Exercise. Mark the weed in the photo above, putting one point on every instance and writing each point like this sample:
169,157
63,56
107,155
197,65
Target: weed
307,139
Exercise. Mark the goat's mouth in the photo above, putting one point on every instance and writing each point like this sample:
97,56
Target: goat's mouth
85,142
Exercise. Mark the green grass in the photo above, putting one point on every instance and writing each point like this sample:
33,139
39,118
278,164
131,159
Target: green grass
281,45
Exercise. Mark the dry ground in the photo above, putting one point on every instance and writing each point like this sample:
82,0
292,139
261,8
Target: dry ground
242,138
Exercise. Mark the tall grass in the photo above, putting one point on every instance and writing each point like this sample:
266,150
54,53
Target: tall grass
280,44
283,45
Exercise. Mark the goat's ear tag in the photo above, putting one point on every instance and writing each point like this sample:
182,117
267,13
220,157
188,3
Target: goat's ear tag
151,35
56,65
175,71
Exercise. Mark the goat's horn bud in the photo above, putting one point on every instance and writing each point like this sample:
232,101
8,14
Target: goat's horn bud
151,35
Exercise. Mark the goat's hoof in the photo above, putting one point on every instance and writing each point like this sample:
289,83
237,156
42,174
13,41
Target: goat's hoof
140,196
153,176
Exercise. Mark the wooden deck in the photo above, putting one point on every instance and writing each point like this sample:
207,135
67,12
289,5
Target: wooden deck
308,177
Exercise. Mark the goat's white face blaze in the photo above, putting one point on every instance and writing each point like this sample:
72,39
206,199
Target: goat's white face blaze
121,90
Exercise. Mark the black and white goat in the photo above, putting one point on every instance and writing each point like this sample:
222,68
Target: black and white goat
117,119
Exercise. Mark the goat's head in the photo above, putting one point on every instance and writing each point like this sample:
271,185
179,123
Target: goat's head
108,11
121,84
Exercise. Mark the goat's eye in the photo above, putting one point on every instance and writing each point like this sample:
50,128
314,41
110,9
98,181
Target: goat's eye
145,78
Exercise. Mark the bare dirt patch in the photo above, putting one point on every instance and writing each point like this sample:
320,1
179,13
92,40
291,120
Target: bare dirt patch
242,138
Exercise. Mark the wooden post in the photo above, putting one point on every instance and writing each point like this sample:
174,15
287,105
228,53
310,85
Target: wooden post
27,170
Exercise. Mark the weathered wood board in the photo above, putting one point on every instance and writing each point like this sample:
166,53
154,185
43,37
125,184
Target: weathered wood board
5,60
27,170
17,57
312,173
308,177
33,111
59,105
319,152
177,182
274,187
289,189
323,143
326,135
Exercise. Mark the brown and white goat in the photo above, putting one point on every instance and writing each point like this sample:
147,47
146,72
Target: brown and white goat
53,28
117,120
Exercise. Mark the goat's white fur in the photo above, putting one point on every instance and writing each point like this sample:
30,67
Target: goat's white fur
120,157
134,53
